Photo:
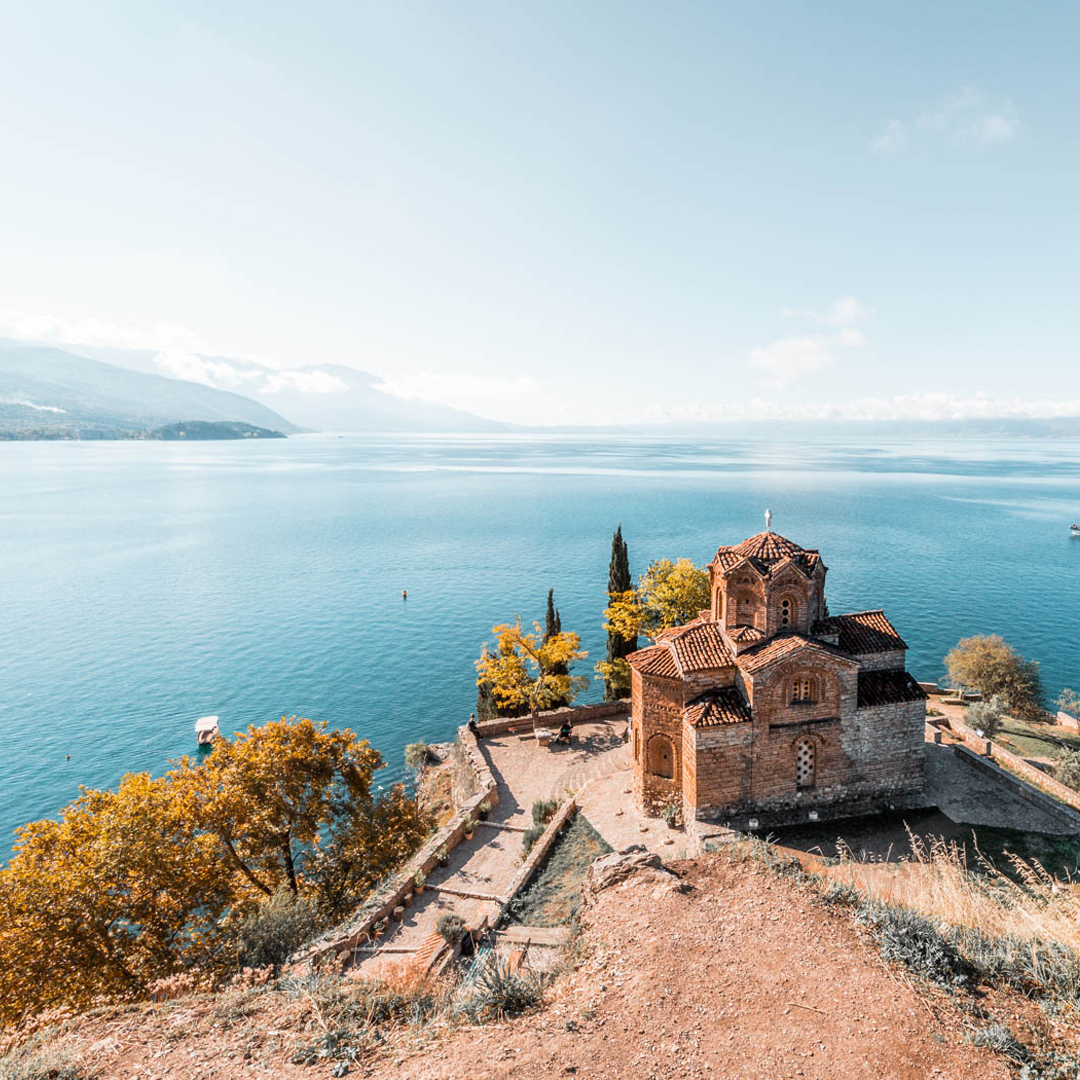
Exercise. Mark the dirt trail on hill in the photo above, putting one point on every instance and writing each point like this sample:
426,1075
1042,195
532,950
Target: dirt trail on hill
740,976
726,972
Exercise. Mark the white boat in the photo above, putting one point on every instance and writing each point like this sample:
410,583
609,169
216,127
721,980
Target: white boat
206,729
1074,530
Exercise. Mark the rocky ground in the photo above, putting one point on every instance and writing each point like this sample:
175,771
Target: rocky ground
720,969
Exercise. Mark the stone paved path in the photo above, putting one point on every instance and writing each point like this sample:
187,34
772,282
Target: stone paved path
486,865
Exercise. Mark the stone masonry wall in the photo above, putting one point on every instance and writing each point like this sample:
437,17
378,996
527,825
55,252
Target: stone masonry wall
882,661
657,711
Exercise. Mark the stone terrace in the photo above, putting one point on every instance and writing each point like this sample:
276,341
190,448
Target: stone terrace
481,870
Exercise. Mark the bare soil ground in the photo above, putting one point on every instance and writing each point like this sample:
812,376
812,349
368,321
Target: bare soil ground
732,973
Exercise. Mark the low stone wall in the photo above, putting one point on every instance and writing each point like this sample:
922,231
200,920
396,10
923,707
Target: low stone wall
538,851
1015,764
346,936
1028,792
553,718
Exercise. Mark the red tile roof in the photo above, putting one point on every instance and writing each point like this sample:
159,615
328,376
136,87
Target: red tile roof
888,688
766,552
782,646
655,660
745,633
700,647
724,706
862,632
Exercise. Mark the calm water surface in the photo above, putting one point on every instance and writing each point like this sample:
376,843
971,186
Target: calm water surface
145,584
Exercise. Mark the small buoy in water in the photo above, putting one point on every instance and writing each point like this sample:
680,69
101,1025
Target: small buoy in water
404,595
67,757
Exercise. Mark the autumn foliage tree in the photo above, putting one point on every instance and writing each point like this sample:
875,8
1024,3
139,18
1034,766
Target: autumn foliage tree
531,671
990,666
667,594
157,877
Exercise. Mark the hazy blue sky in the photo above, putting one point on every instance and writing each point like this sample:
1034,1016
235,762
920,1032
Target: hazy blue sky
559,210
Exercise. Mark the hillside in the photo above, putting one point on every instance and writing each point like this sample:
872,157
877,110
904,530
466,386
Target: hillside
211,431
48,392
320,397
725,970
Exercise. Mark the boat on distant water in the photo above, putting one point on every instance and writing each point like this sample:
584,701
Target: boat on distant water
206,729
1074,530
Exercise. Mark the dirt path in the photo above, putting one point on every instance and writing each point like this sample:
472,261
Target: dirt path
739,977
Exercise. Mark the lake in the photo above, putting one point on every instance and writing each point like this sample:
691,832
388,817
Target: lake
146,584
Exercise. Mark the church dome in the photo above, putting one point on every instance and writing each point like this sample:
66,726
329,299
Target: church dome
765,551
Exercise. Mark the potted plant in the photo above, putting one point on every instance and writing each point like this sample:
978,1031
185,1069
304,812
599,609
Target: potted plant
485,809
451,928
671,815
442,855
470,828
418,882
379,928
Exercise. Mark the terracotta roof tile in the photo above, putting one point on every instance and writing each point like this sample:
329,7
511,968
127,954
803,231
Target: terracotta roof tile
781,646
888,688
862,632
724,706
655,660
766,551
700,647
745,633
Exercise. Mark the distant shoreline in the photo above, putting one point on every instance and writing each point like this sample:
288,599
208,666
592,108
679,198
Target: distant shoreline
188,431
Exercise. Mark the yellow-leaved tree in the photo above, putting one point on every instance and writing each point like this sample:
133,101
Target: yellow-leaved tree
531,670
156,878
122,890
667,594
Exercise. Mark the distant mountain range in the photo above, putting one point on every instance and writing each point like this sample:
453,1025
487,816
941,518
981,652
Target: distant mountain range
52,392
82,392
318,397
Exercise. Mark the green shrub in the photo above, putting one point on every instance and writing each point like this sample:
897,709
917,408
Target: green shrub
500,993
907,938
530,836
270,935
1000,1039
543,810
451,927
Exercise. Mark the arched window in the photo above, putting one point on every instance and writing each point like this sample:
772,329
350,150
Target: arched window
804,688
661,757
785,612
804,763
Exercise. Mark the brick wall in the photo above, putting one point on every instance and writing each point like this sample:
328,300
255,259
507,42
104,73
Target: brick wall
882,661
657,710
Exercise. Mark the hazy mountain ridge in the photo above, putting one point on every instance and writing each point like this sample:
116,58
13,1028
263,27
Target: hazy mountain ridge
320,397
50,391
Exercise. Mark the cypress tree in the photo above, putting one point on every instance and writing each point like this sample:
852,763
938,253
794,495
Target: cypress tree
618,582
552,628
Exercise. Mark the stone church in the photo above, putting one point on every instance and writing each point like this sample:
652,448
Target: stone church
765,705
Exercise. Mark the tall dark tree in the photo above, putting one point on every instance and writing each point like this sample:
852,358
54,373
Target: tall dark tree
618,647
552,628
486,707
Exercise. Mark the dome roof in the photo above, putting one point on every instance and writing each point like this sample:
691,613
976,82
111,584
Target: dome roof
766,551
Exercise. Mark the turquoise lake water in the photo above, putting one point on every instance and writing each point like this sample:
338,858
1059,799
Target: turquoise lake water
146,584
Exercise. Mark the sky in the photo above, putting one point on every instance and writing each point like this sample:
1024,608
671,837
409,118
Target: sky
559,212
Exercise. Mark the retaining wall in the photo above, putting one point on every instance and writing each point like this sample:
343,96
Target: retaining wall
1028,792
553,718
358,928
1013,763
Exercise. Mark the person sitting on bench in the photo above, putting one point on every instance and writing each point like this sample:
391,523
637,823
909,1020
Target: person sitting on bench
564,732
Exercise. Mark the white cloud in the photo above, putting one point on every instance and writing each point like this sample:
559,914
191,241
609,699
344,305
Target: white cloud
964,118
465,389
306,382
845,312
851,338
789,359
893,139
32,405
